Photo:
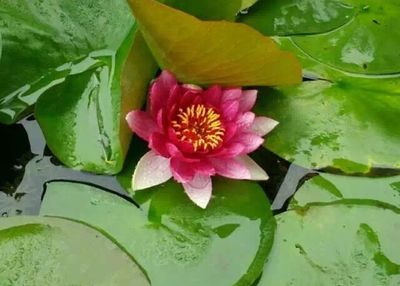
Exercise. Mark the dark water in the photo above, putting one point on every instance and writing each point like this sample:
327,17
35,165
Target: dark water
26,165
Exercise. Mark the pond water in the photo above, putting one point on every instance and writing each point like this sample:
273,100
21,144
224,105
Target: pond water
27,165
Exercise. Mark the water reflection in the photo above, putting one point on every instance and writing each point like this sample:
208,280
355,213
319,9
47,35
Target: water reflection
27,165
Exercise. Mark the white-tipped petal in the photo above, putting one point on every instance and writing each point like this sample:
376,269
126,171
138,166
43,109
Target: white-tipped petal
199,190
150,171
256,172
263,125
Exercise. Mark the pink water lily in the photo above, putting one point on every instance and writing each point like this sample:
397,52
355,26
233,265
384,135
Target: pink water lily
194,134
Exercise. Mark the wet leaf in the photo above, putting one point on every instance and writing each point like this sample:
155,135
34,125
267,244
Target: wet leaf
335,245
176,242
341,120
40,36
345,122
291,17
212,52
83,117
363,45
326,188
53,251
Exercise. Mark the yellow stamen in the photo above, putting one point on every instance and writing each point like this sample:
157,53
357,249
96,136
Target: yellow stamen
200,126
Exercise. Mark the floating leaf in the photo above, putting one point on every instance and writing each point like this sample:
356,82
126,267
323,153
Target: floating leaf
176,242
53,251
83,118
40,36
346,123
291,17
326,188
363,45
212,52
335,245
341,120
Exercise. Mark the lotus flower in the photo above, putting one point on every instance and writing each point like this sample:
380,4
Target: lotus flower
194,134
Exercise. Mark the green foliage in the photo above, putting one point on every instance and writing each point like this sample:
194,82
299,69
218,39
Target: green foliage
176,242
54,251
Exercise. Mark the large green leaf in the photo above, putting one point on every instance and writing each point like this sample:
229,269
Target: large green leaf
83,117
365,45
39,36
326,188
348,124
337,244
176,242
212,52
341,120
290,17
53,251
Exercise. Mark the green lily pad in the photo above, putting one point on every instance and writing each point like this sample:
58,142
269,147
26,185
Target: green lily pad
53,251
176,242
40,36
291,17
212,52
83,117
326,188
335,245
349,124
366,45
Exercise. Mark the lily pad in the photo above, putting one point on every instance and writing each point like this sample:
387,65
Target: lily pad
212,52
176,242
40,36
348,124
363,45
291,17
53,251
82,117
335,245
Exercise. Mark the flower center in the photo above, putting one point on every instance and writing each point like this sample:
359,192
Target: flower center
200,126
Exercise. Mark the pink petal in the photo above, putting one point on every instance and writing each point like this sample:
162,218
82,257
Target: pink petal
230,131
231,168
150,171
199,190
263,125
250,141
159,144
247,100
256,172
160,91
181,170
141,123
231,94
246,120
213,95
229,151
184,170
230,110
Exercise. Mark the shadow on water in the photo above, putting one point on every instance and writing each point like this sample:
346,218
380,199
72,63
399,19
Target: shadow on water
27,165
